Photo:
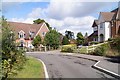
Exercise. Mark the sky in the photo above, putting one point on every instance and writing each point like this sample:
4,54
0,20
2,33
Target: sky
73,15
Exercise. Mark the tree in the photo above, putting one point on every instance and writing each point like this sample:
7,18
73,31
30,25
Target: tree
52,39
65,40
37,41
80,38
86,35
12,58
39,21
85,39
69,34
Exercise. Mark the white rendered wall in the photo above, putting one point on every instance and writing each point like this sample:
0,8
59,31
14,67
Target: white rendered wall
101,31
107,30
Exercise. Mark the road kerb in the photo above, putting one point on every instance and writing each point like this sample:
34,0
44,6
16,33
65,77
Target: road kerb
45,70
105,70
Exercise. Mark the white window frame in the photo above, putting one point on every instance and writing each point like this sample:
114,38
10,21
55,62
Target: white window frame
21,34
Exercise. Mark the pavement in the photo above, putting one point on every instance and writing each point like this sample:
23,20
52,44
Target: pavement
111,65
71,65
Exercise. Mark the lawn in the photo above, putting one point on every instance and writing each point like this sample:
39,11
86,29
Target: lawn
32,69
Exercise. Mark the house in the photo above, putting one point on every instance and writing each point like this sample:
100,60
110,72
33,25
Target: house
25,33
115,23
94,35
104,26
107,26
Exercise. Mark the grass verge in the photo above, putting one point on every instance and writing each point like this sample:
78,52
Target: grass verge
32,69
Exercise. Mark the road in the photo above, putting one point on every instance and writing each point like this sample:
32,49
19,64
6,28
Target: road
67,66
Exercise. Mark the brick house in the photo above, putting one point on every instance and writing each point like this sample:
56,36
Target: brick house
115,23
25,33
107,26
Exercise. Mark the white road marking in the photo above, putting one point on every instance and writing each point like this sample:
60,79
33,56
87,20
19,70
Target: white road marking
45,70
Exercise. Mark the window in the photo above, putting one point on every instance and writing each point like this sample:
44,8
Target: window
101,25
31,34
43,33
21,35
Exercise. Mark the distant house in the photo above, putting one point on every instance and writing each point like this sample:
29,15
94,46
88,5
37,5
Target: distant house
25,33
107,26
94,35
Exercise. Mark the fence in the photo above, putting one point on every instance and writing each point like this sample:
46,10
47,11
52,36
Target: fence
88,49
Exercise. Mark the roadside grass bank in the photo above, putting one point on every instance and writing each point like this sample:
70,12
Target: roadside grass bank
108,48
32,69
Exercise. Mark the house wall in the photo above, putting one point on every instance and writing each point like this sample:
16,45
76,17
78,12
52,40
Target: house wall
101,30
115,29
118,28
105,30
29,43
44,29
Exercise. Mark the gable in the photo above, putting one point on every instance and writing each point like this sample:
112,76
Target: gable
21,31
44,29
100,18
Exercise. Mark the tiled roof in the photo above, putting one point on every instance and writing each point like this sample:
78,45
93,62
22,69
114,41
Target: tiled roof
17,27
107,16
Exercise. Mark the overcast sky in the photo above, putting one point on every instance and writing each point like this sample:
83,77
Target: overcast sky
63,15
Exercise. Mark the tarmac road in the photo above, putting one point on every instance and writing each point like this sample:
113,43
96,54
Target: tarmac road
67,66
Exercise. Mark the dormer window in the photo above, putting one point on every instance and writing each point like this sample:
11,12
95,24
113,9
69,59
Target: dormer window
21,34
31,34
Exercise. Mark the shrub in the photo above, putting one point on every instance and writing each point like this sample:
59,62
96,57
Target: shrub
110,39
68,48
101,50
94,42
115,44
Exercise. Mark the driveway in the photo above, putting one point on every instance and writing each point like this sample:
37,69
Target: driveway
67,66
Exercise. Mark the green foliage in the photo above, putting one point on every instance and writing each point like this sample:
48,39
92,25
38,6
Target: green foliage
80,38
68,48
65,40
102,50
52,39
33,68
38,21
12,58
110,39
115,44
37,41
94,42
69,34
